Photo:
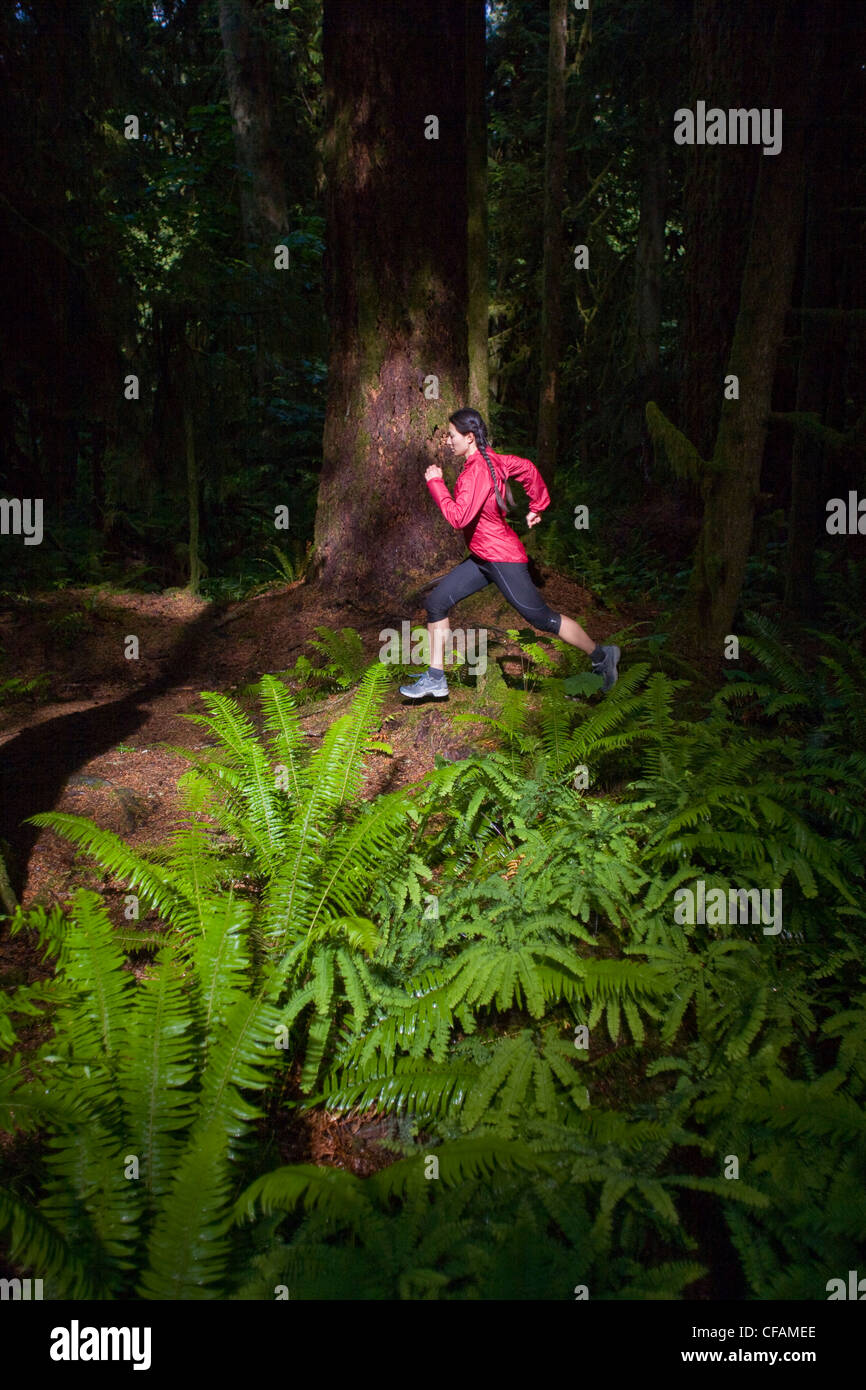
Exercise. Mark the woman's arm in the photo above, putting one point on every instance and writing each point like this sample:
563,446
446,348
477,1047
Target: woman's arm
530,479
469,497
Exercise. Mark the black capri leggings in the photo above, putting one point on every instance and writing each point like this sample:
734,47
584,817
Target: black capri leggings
511,578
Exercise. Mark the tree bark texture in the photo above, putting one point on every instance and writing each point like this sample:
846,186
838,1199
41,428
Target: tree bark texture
821,367
728,68
733,484
551,274
646,317
260,169
396,209
476,140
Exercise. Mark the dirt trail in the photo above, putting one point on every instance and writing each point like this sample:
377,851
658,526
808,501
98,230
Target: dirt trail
95,745
94,740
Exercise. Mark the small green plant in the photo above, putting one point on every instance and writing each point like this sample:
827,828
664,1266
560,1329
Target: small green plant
536,662
69,628
285,565
343,666
25,688
344,653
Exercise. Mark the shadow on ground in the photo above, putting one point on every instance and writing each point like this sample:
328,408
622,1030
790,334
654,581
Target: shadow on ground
36,764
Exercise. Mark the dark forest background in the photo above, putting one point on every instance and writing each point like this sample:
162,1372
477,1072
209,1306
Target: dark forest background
154,257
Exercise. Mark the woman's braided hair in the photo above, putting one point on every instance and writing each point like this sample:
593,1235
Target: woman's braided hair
469,421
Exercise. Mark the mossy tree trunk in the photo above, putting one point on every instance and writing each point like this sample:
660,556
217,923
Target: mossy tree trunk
733,482
396,208
476,141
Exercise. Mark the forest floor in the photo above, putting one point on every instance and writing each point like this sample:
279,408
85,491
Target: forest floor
95,736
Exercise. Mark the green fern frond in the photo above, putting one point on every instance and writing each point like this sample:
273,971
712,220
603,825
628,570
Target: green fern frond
287,746
475,1156
666,1281
96,1029
115,856
330,1190
155,1072
418,1087
187,1253
35,1244
221,960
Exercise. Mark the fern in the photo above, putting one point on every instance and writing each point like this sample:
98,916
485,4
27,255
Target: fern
428,955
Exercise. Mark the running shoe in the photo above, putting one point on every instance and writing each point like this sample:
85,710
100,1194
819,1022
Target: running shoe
437,686
607,667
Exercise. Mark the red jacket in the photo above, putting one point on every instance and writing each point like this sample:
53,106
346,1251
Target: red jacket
474,508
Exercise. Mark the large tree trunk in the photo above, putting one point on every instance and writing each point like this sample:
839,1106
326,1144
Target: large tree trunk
728,68
476,141
264,211
260,170
646,318
734,482
551,273
396,206
807,514
820,370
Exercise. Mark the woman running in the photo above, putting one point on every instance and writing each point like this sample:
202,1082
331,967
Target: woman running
496,556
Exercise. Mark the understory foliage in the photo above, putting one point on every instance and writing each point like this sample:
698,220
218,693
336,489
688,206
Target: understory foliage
582,1077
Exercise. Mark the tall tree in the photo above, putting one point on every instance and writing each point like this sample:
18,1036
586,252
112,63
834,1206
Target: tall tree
728,68
551,272
732,480
264,212
658,43
830,247
476,143
57,357
645,318
396,208
251,101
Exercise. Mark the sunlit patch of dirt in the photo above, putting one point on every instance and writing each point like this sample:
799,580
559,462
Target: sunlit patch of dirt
77,640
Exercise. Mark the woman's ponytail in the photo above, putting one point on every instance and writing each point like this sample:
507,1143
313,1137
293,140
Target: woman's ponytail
470,422
499,499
